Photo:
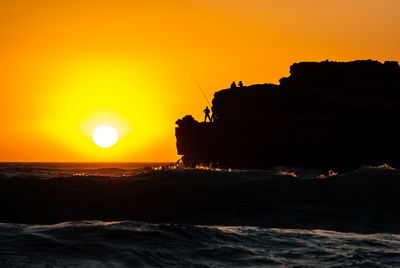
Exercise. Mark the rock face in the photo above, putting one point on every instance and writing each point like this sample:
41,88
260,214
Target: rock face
326,115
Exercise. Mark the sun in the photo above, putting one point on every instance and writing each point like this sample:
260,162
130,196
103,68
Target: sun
105,136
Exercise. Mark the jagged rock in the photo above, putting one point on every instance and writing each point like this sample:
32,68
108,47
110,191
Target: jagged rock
326,115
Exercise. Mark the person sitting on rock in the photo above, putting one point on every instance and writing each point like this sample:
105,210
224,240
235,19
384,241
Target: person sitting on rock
240,84
233,85
207,114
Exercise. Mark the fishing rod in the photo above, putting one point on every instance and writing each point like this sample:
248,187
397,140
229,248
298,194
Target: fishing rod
202,92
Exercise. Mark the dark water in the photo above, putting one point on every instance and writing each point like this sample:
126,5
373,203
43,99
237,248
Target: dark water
133,244
53,170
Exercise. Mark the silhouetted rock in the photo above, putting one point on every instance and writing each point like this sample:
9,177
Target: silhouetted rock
327,115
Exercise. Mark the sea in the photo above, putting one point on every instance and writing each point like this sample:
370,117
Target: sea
142,244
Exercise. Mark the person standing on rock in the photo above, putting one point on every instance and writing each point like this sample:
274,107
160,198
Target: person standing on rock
207,114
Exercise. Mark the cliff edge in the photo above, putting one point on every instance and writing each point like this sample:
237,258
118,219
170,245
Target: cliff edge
325,115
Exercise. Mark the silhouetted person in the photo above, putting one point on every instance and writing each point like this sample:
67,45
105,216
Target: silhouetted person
213,117
207,114
240,84
233,85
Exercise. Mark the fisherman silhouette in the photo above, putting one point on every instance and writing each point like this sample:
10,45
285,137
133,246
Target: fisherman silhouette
213,117
240,84
233,85
207,114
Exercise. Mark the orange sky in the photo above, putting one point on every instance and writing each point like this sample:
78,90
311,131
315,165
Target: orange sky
69,66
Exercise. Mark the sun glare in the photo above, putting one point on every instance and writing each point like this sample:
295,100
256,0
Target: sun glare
105,136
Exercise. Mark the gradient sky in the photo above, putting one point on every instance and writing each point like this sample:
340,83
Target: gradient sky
69,66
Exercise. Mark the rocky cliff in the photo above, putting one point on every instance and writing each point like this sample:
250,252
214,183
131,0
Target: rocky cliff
326,115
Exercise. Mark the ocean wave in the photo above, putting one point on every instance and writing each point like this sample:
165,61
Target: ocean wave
281,171
112,170
132,244
63,170
285,198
